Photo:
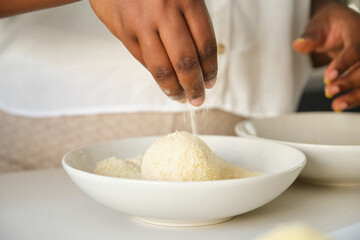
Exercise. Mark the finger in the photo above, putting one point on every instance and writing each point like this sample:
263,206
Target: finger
132,44
349,100
312,38
349,81
130,40
202,32
183,56
160,67
346,58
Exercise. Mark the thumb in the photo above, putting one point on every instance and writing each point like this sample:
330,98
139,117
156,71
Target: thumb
311,39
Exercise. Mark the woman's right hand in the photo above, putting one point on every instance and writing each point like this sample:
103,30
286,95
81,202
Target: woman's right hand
173,39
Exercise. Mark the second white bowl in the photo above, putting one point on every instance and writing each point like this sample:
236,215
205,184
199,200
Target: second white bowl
330,141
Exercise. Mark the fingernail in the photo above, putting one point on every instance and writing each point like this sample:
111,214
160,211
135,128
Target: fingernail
301,47
326,80
328,94
300,40
334,89
210,84
197,101
183,100
333,74
341,107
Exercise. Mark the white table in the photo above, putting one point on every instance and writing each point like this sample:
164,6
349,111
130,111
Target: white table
46,204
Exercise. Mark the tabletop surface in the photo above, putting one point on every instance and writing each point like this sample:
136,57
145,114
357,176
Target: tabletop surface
46,204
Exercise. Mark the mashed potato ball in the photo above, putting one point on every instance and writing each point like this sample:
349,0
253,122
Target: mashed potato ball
180,156
293,231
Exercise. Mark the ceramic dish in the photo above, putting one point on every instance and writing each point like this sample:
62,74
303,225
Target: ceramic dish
330,141
188,203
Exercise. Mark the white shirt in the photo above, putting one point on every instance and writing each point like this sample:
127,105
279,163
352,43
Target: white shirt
64,61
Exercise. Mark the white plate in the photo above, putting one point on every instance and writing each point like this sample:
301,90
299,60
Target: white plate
188,203
330,141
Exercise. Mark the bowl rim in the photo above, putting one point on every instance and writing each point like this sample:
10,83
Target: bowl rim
300,166
239,132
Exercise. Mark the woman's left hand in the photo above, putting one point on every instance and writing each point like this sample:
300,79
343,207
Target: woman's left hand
334,30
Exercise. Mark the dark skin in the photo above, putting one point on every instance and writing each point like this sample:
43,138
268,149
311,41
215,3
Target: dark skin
175,41
333,33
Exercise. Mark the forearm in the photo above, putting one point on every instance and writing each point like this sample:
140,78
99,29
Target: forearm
13,7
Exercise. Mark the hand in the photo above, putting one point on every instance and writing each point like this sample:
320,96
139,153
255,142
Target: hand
334,30
173,39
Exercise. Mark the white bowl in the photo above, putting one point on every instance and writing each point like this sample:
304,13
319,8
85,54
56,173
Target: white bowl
188,203
330,141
